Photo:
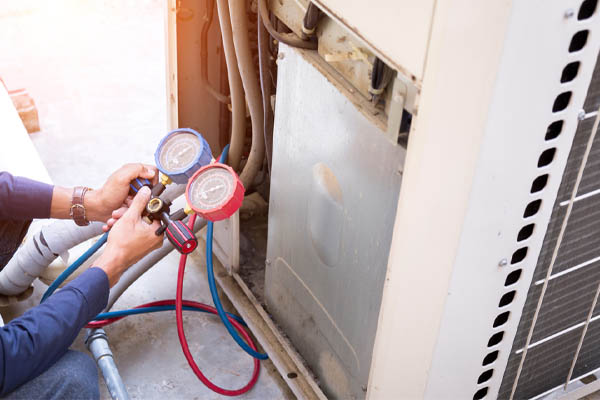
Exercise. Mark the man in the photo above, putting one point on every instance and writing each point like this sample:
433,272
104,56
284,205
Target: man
35,362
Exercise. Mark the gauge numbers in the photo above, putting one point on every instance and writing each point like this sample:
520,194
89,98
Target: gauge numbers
211,189
179,152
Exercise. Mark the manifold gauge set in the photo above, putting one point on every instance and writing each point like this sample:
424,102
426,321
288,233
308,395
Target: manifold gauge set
213,191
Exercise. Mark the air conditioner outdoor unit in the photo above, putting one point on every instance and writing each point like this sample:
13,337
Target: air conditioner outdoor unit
463,263
493,276
494,272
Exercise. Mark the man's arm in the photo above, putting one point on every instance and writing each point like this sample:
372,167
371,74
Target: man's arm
24,199
33,342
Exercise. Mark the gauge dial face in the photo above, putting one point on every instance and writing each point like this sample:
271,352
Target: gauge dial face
211,189
179,151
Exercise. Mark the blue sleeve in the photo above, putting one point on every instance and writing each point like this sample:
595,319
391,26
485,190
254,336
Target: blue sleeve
32,343
23,199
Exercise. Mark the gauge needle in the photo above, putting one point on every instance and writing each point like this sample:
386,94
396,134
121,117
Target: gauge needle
182,152
203,194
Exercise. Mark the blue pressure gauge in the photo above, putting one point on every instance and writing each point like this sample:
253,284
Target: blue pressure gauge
181,153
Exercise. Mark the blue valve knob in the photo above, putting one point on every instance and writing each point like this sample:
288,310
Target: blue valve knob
136,184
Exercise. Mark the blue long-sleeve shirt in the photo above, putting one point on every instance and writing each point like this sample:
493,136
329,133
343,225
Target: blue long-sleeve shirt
24,199
33,342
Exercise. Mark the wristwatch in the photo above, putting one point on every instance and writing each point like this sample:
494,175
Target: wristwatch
77,208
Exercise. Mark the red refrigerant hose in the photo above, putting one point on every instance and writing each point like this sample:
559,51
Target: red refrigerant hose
179,303
183,340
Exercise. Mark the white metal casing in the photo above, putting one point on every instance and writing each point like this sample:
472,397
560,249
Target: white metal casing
492,74
397,29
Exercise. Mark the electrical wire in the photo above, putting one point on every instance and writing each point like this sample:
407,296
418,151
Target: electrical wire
68,271
288,38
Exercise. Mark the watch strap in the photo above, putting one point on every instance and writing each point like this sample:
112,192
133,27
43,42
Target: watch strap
77,207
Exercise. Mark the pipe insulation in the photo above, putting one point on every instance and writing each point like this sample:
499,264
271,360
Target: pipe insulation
40,250
32,259
236,89
239,24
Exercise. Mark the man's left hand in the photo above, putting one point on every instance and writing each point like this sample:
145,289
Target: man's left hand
114,194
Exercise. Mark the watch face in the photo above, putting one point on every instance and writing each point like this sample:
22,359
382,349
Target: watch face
179,152
211,189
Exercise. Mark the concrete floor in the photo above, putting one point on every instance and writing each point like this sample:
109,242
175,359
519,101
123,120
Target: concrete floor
96,72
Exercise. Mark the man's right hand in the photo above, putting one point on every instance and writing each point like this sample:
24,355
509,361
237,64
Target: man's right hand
129,240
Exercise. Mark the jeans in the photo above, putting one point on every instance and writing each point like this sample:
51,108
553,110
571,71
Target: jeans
75,375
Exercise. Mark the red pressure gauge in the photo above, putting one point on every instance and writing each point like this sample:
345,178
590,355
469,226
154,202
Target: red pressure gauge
215,192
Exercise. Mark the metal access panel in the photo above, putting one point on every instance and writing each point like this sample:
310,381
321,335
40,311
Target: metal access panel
334,191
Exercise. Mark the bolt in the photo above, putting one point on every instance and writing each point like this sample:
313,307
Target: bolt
581,115
569,13
503,262
268,262
281,56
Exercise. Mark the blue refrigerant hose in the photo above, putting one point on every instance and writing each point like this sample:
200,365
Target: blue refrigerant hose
67,272
211,283
153,309
113,314
213,286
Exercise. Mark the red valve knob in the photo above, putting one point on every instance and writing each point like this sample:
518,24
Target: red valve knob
181,237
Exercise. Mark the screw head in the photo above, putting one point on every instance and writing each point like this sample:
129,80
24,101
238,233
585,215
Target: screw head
581,115
569,13
281,56
503,262
268,262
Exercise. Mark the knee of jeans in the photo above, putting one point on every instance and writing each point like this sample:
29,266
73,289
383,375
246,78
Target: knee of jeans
82,376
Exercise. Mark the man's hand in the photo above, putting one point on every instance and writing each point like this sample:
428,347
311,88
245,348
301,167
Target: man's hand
114,193
129,239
